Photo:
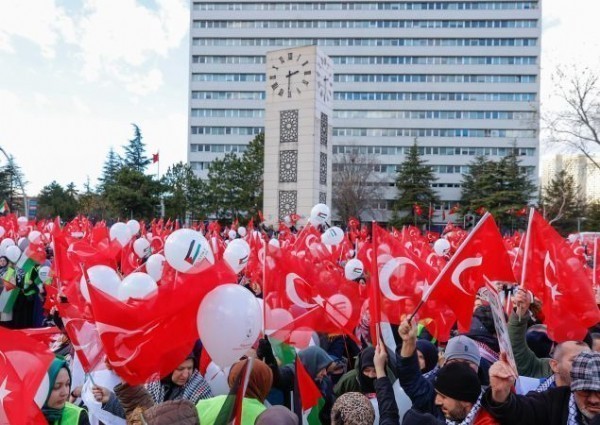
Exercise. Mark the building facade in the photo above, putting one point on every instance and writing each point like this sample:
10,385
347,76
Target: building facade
586,175
459,77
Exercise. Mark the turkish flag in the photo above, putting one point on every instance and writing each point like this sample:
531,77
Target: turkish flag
23,365
481,257
554,273
302,295
155,157
153,335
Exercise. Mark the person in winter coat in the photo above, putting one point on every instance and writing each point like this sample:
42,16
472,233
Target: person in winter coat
386,399
56,409
316,361
185,382
420,390
577,404
362,378
259,385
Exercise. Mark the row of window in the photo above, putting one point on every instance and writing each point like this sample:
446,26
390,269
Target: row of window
431,132
434,60
413,5
434,96
433,78
228,113
431,115
377,114
368,96
432,150
217,148
228,95
199,165
379,132
392,23
235,131
420,42
436,168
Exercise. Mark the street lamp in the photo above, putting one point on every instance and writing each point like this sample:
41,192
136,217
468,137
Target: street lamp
579,220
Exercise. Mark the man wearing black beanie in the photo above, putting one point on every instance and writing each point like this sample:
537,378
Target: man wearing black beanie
457,390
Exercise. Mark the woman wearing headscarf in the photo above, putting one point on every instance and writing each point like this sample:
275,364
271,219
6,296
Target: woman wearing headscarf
8,291
259,385
362,378
352,409
277,415
57,410
184,383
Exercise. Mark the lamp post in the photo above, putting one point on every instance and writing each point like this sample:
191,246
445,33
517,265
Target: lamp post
579,220
11,163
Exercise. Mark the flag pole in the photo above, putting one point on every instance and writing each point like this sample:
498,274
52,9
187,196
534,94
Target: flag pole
162,200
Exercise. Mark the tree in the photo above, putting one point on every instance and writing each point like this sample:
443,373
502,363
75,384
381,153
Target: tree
225,186
356,186
92,204
414,182
502,187
110,169
54,200
253,167
562,203
183,192
578,123
135,152
12,183
134,194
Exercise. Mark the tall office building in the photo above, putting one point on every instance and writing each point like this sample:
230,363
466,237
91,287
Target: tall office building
586,176
460,77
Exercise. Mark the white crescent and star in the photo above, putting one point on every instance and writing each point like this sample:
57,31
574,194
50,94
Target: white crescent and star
462,266
292,294
553,288
4,392
386,272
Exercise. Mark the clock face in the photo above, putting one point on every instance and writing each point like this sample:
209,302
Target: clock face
324,79
290,76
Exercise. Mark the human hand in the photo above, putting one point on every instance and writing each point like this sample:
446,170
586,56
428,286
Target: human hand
380,360
407,330
522,301
502,378
101,394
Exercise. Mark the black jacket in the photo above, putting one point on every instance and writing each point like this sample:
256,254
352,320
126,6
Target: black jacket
388,409
546,408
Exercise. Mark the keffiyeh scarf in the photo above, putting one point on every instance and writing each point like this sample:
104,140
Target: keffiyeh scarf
471,416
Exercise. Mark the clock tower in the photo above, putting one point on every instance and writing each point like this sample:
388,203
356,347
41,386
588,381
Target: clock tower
299,101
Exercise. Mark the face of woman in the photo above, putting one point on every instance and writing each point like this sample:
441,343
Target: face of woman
3,262
60,391
183,372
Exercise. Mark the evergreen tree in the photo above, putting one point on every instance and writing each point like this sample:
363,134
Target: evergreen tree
225,186
414,182
183,193
109,170
54,200
561,203
134,194
92,204
502,188
253,171
12,185
135,152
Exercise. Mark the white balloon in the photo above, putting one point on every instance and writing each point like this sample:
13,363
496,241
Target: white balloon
229,310
188,251
23,243
332,236
241,231
441,247
120,232
354,269
134,226
104,278
278,318
44,273
319,214
217,379
34,236
50,226
137,285
236,255
13,253
274,242
232,234
22,221
141,247
155,264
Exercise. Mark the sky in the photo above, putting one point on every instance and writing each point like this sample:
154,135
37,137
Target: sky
74,75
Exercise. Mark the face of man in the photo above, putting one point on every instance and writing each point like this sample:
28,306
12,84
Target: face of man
595,347
455,410
588,403
563,360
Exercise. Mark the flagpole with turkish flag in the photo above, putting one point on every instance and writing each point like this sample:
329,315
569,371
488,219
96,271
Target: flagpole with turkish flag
374,307
156,160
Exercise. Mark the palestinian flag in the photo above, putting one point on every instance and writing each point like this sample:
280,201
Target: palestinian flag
8,296
4,208
311,399
284,352
231,411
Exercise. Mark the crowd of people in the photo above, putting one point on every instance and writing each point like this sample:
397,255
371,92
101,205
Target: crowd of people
410,377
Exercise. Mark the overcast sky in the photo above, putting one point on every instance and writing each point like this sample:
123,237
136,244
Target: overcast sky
75,74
